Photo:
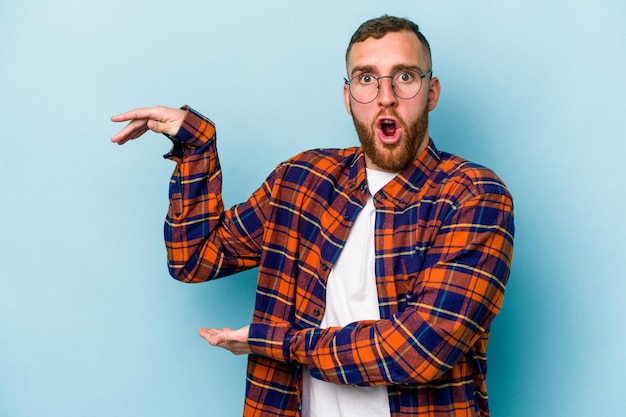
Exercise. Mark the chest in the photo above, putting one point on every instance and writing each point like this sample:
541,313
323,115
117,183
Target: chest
306,247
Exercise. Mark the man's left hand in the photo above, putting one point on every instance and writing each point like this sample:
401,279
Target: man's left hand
235,341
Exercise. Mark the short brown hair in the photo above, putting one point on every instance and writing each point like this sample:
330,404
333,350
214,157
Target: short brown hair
378,27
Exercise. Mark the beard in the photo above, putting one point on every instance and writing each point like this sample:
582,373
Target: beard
396,157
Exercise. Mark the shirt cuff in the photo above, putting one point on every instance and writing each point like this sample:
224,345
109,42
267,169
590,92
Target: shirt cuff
271,340
196,131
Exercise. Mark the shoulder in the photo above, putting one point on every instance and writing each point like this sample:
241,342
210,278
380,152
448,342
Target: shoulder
323,161
323,158
477,178
316,173
308,168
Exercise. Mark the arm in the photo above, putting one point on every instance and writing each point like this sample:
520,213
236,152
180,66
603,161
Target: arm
455,297
203,240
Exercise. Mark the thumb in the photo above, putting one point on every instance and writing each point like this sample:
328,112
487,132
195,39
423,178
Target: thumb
225,335
156,127
210,335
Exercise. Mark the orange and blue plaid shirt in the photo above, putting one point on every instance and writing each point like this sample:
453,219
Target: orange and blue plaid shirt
444,243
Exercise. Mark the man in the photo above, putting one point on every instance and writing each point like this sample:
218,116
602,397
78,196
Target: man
381,267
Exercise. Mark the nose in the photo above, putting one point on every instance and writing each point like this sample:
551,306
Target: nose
386,95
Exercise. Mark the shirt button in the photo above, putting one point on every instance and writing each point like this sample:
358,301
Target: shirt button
324,267
316,312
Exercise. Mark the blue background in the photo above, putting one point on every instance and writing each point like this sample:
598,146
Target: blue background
90,322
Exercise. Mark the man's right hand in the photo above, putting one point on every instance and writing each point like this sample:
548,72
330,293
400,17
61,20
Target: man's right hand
158,119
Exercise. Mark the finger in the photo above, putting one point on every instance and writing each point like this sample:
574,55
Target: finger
210,335
159,119
132,130
156,127
139,113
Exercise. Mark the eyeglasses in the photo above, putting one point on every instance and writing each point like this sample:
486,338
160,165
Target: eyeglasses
405,84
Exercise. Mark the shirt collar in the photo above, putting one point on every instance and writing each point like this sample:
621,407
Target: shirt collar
358,176
405,185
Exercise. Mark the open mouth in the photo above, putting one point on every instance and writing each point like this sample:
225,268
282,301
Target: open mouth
388,130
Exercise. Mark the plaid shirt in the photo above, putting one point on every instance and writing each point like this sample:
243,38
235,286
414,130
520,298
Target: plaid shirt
443,239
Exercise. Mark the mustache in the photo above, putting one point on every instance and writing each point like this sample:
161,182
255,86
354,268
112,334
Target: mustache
384,113
387,113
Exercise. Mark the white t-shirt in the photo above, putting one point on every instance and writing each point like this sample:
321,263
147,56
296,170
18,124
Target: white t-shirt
351,296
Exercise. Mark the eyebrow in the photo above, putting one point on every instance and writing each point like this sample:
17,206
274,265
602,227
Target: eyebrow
396,68
363,68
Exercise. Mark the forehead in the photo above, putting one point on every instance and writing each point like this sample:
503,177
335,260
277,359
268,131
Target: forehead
392,50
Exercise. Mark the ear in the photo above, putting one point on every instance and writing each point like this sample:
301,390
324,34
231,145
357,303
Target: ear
346,98
434,90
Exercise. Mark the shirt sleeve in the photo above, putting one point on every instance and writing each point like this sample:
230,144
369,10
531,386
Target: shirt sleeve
203,240
455,298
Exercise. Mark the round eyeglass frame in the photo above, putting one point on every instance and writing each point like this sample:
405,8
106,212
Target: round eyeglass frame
421,77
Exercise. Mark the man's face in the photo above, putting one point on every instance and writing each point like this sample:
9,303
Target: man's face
393,131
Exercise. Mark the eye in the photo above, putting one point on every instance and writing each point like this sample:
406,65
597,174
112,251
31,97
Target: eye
367,79
405,76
